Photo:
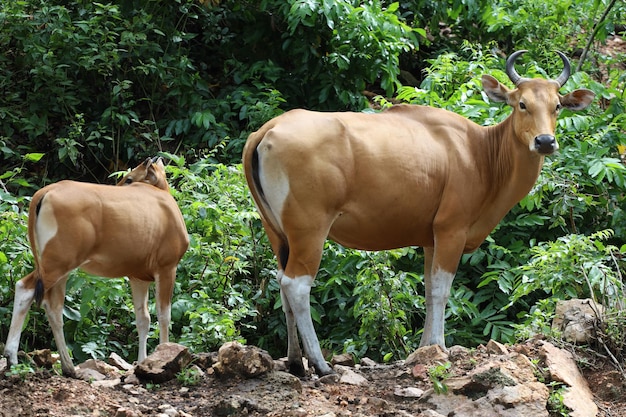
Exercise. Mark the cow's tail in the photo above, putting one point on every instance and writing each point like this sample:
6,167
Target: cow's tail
33,214
250,162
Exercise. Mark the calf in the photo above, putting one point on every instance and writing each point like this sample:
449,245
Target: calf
135,229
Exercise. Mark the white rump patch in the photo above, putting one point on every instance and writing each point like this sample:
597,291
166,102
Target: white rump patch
275,186
46,226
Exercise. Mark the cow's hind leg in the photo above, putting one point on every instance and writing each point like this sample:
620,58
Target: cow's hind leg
53,304
24,296
294,353
139,291
305,253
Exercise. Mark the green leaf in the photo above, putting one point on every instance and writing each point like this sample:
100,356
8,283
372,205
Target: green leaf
33,157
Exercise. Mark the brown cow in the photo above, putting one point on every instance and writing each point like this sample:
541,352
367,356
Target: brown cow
136,231
408,176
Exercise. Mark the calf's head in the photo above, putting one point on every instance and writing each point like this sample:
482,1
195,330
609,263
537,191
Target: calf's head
151,171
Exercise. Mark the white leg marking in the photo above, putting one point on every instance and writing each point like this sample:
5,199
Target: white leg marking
437,293
297,292
21,305
294,354
139,290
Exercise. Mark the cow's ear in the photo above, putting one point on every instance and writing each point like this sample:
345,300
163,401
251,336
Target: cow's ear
495,90
578,99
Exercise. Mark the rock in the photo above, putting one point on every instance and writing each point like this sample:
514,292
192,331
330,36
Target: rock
430,413
205,360
125,412
457,352
117,361
247,361
427,355
368,362
496,348
327,379
284,378
106,383
575,319
89,375
345,359
168,411
167,360
231,406
504,386
131,378
562,367
43,358
420,372
99,366
352,378
410,393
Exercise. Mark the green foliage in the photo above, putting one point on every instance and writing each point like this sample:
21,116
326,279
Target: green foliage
556,406
92,84
215,300
190,376
367,292
438,375
572,266
512,17
20,371
353,47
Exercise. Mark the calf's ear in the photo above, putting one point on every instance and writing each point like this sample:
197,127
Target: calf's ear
496,91
578,99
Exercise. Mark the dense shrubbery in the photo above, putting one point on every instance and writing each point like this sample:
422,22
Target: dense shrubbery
89,87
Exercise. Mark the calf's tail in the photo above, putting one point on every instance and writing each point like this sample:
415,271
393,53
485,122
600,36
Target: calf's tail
35,208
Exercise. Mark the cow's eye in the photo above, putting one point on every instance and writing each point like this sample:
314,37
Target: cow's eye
522,106
128,181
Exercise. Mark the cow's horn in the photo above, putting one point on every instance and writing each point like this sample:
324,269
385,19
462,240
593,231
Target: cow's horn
510,67
562,79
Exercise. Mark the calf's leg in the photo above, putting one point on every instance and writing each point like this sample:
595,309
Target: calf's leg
24,296
53,301
164,292
139,290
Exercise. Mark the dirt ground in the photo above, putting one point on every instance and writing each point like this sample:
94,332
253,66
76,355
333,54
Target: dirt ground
276,394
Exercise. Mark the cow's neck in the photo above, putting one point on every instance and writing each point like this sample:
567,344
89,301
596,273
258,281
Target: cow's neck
511,170
513,167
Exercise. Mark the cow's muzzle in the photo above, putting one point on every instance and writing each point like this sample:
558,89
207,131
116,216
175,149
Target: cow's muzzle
546,144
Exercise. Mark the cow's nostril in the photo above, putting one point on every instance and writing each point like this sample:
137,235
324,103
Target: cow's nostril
545,144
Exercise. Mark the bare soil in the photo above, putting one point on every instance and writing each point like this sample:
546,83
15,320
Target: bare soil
276,394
